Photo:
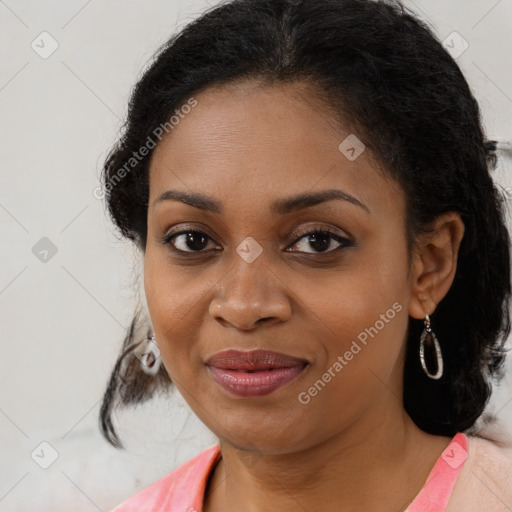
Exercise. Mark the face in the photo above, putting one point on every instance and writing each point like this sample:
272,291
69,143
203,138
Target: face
324,281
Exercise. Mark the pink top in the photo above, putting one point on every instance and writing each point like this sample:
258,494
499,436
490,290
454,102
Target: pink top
183,489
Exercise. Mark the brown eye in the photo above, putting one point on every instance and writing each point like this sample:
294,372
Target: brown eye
321,241
188,241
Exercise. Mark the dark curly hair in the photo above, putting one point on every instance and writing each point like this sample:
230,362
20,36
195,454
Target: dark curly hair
385,75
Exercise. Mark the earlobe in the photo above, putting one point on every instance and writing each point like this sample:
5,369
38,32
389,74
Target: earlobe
434,264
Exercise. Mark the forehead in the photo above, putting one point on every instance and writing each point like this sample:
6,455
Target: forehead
251,142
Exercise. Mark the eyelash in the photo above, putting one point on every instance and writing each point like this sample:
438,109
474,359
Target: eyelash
343,241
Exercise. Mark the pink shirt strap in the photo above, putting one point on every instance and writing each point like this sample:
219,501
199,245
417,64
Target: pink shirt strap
436,492
181,490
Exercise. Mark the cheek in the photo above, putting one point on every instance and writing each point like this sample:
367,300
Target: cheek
363,315
360,366
364,326
177,299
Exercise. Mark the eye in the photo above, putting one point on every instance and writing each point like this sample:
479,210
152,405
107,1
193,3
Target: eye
190,240
321,241
195,241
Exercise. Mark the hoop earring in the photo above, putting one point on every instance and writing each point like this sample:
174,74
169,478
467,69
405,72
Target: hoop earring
148,354
430,339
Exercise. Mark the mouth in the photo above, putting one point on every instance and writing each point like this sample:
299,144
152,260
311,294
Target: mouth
255,373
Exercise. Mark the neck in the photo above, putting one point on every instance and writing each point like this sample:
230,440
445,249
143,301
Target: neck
380,462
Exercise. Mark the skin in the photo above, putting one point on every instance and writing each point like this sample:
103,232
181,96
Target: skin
246,146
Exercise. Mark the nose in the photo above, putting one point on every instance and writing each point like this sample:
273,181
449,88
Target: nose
249,295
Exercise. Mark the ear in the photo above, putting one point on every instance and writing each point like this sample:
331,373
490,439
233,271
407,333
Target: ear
434,263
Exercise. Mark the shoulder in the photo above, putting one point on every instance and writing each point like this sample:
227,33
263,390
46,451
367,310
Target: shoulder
485,481
182,488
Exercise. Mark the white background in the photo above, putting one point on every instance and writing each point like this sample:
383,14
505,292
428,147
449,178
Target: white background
62,321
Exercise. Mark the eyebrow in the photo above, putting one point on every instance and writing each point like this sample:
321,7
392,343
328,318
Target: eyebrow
281,206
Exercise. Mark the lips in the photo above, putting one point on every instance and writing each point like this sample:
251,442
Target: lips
255,360
254,373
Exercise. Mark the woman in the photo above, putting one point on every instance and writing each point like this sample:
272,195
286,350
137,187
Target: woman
326,264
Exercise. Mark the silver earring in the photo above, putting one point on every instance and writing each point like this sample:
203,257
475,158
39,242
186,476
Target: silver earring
429,338
148,354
